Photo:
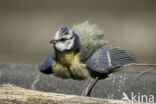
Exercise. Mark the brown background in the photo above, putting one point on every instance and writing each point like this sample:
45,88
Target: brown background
26,26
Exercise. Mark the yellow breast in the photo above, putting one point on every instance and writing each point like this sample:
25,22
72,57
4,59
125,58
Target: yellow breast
71,60
66,58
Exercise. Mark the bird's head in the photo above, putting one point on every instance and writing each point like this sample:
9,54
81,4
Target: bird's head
65,39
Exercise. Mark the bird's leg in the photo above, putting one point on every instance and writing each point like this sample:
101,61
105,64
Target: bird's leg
89,88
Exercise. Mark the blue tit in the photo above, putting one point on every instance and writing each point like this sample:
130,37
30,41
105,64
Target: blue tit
81,51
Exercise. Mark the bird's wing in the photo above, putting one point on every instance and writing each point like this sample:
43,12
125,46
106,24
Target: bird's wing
108,58
91,39
45,66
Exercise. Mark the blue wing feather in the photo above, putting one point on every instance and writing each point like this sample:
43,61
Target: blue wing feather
109,57
45,66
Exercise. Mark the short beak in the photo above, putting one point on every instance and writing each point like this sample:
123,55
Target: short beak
53,41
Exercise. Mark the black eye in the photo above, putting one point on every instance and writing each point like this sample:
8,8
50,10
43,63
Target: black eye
63,39
66,33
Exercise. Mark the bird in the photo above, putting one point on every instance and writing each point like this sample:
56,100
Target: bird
81,52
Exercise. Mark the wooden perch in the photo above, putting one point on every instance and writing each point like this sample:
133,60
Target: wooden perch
11,94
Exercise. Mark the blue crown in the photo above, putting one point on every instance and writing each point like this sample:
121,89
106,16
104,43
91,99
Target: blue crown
63,30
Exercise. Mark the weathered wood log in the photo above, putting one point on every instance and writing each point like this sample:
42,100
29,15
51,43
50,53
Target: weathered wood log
113,87
11,94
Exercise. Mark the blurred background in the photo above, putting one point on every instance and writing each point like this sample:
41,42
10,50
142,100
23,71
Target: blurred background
27,26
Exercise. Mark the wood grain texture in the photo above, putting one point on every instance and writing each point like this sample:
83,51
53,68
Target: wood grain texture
11,94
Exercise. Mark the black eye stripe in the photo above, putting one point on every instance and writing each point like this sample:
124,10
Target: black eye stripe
66,33
64,39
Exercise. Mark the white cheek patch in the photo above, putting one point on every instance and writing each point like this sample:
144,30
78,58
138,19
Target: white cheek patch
67,45
60,46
